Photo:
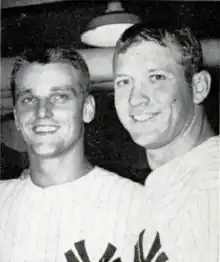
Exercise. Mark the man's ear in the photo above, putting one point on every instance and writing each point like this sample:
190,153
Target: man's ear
17,124
201,84
89,109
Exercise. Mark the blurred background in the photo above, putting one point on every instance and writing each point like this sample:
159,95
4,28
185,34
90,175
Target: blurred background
47,22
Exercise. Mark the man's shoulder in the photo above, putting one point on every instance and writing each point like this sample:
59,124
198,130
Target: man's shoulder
203,156
8,182
8,187
207,150
112,177
199,167
185,180
203,159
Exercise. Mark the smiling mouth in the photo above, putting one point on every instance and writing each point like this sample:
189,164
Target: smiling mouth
144,117
45,129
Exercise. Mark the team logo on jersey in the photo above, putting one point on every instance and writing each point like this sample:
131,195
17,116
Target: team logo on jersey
81,250
155,253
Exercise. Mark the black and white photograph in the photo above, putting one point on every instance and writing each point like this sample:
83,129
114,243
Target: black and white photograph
110,145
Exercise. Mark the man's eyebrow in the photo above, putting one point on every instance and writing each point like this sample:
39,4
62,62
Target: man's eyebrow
165,70
58,88
23,92
152,70
122,75
68,88
54,89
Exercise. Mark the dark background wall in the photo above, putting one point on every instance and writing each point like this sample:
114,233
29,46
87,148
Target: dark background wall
62,23
107,143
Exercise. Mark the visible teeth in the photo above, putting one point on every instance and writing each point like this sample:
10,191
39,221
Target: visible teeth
45,128
143,117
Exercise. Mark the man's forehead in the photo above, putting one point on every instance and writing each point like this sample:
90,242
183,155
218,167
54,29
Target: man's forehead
51,74
149,51
60,65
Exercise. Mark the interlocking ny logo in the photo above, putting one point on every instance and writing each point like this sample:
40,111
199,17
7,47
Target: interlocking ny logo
154,254
81,250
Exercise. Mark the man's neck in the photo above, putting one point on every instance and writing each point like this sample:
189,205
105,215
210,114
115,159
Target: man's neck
197,132
62,169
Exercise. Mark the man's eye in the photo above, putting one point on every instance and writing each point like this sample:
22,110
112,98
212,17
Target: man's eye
122,82
28,100
157,77
59,98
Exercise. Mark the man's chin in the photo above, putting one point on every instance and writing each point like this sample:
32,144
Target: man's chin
147,141
152,141
44,151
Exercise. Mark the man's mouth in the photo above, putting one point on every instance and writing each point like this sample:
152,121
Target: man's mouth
144,117
45,129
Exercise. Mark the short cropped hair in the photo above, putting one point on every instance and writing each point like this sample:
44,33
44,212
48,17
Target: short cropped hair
183,37
49,55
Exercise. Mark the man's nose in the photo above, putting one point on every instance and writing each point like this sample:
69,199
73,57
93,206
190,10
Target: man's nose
138,96
43,109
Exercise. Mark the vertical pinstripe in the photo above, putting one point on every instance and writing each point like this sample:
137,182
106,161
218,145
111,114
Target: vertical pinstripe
40,225
183,196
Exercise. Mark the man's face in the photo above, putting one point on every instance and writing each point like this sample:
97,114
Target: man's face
152,98
49,107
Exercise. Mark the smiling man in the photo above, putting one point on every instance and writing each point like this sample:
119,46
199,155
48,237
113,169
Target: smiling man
159,89
63,209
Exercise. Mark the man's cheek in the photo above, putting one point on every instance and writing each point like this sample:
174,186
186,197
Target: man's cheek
164,95
163,99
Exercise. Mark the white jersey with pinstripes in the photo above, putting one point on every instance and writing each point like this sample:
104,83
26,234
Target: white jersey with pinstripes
183,199
95,218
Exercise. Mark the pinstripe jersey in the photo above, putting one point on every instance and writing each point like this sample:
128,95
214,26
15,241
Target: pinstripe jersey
183,199
95,218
